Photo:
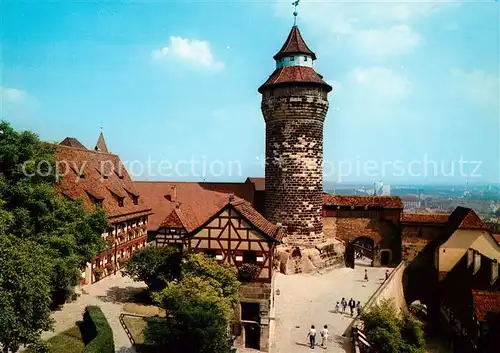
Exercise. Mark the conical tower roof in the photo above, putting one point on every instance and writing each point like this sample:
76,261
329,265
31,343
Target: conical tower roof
101,144
294,44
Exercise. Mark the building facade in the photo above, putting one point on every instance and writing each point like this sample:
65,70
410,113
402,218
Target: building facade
99,179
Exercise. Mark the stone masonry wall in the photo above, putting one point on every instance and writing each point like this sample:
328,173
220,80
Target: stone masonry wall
415,238
294,154
261,293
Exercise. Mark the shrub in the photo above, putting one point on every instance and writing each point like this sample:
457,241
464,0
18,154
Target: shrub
97,327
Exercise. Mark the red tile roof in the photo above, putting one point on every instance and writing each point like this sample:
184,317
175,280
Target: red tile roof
472,221
434,218
196,201
100,179
294,74
72,142
390,202
255,218
294,44
485,302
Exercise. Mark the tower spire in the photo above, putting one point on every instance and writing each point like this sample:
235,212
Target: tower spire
295,13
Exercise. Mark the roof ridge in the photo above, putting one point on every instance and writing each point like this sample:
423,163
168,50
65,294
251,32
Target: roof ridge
83,149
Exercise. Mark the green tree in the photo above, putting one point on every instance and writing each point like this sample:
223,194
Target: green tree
225,275
391,333
25,292
156,266
198,318
33,210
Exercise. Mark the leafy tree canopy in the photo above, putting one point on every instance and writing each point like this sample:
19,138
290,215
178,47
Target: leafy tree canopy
198,318
31,208
391,333
25,292
156,266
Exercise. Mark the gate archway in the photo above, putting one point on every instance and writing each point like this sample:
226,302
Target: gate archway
360,251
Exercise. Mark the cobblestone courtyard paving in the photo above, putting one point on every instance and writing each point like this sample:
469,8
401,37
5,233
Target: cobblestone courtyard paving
109,294
309,299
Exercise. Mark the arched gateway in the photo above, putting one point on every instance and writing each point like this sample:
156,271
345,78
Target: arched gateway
360,251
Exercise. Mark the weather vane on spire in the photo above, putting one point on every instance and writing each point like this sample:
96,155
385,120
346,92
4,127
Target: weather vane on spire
295,13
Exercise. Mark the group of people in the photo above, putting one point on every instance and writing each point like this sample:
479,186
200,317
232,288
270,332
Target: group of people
312,336
351,304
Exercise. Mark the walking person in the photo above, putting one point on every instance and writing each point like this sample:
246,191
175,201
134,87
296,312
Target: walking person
343,302
358,307
312,336
352,304
386,274
324,336
366,275
337,308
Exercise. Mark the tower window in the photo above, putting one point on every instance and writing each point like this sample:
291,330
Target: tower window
292,58
305,58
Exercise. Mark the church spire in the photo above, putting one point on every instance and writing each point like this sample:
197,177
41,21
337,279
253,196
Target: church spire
101,144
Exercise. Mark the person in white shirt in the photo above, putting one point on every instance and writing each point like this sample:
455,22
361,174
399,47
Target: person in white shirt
324,336
312,336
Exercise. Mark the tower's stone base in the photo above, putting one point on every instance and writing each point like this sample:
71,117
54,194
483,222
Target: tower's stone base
295,258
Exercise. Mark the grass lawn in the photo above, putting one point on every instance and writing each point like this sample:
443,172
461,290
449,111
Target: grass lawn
136,327
141,309
68,341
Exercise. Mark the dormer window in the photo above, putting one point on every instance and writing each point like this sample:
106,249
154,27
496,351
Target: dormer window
121,201
135,199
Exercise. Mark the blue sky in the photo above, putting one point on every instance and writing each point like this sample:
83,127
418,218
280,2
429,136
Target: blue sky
177,81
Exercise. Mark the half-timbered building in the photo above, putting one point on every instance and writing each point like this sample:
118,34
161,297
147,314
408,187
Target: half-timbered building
99,179
229,229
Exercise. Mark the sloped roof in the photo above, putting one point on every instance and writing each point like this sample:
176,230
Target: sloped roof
294,44
245,209
485,302
431,218
196,201
101,144
72,142
87,173
294,74
389,202
255,218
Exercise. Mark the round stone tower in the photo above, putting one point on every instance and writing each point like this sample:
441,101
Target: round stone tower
294,105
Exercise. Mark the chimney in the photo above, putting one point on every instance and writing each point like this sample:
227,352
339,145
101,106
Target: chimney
173,194
494,271
231,197
477,261
470,257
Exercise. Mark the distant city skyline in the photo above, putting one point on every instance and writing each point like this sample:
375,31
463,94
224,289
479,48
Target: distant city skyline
178,81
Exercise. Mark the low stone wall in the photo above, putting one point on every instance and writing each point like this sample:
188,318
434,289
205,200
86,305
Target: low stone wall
391,289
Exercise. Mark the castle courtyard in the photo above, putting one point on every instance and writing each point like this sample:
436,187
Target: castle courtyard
309,299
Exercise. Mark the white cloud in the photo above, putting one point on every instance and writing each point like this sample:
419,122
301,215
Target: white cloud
476,85
396,40
11,94
336,85
189,50
378,83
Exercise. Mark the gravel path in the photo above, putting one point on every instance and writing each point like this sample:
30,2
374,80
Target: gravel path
109,294
309,299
